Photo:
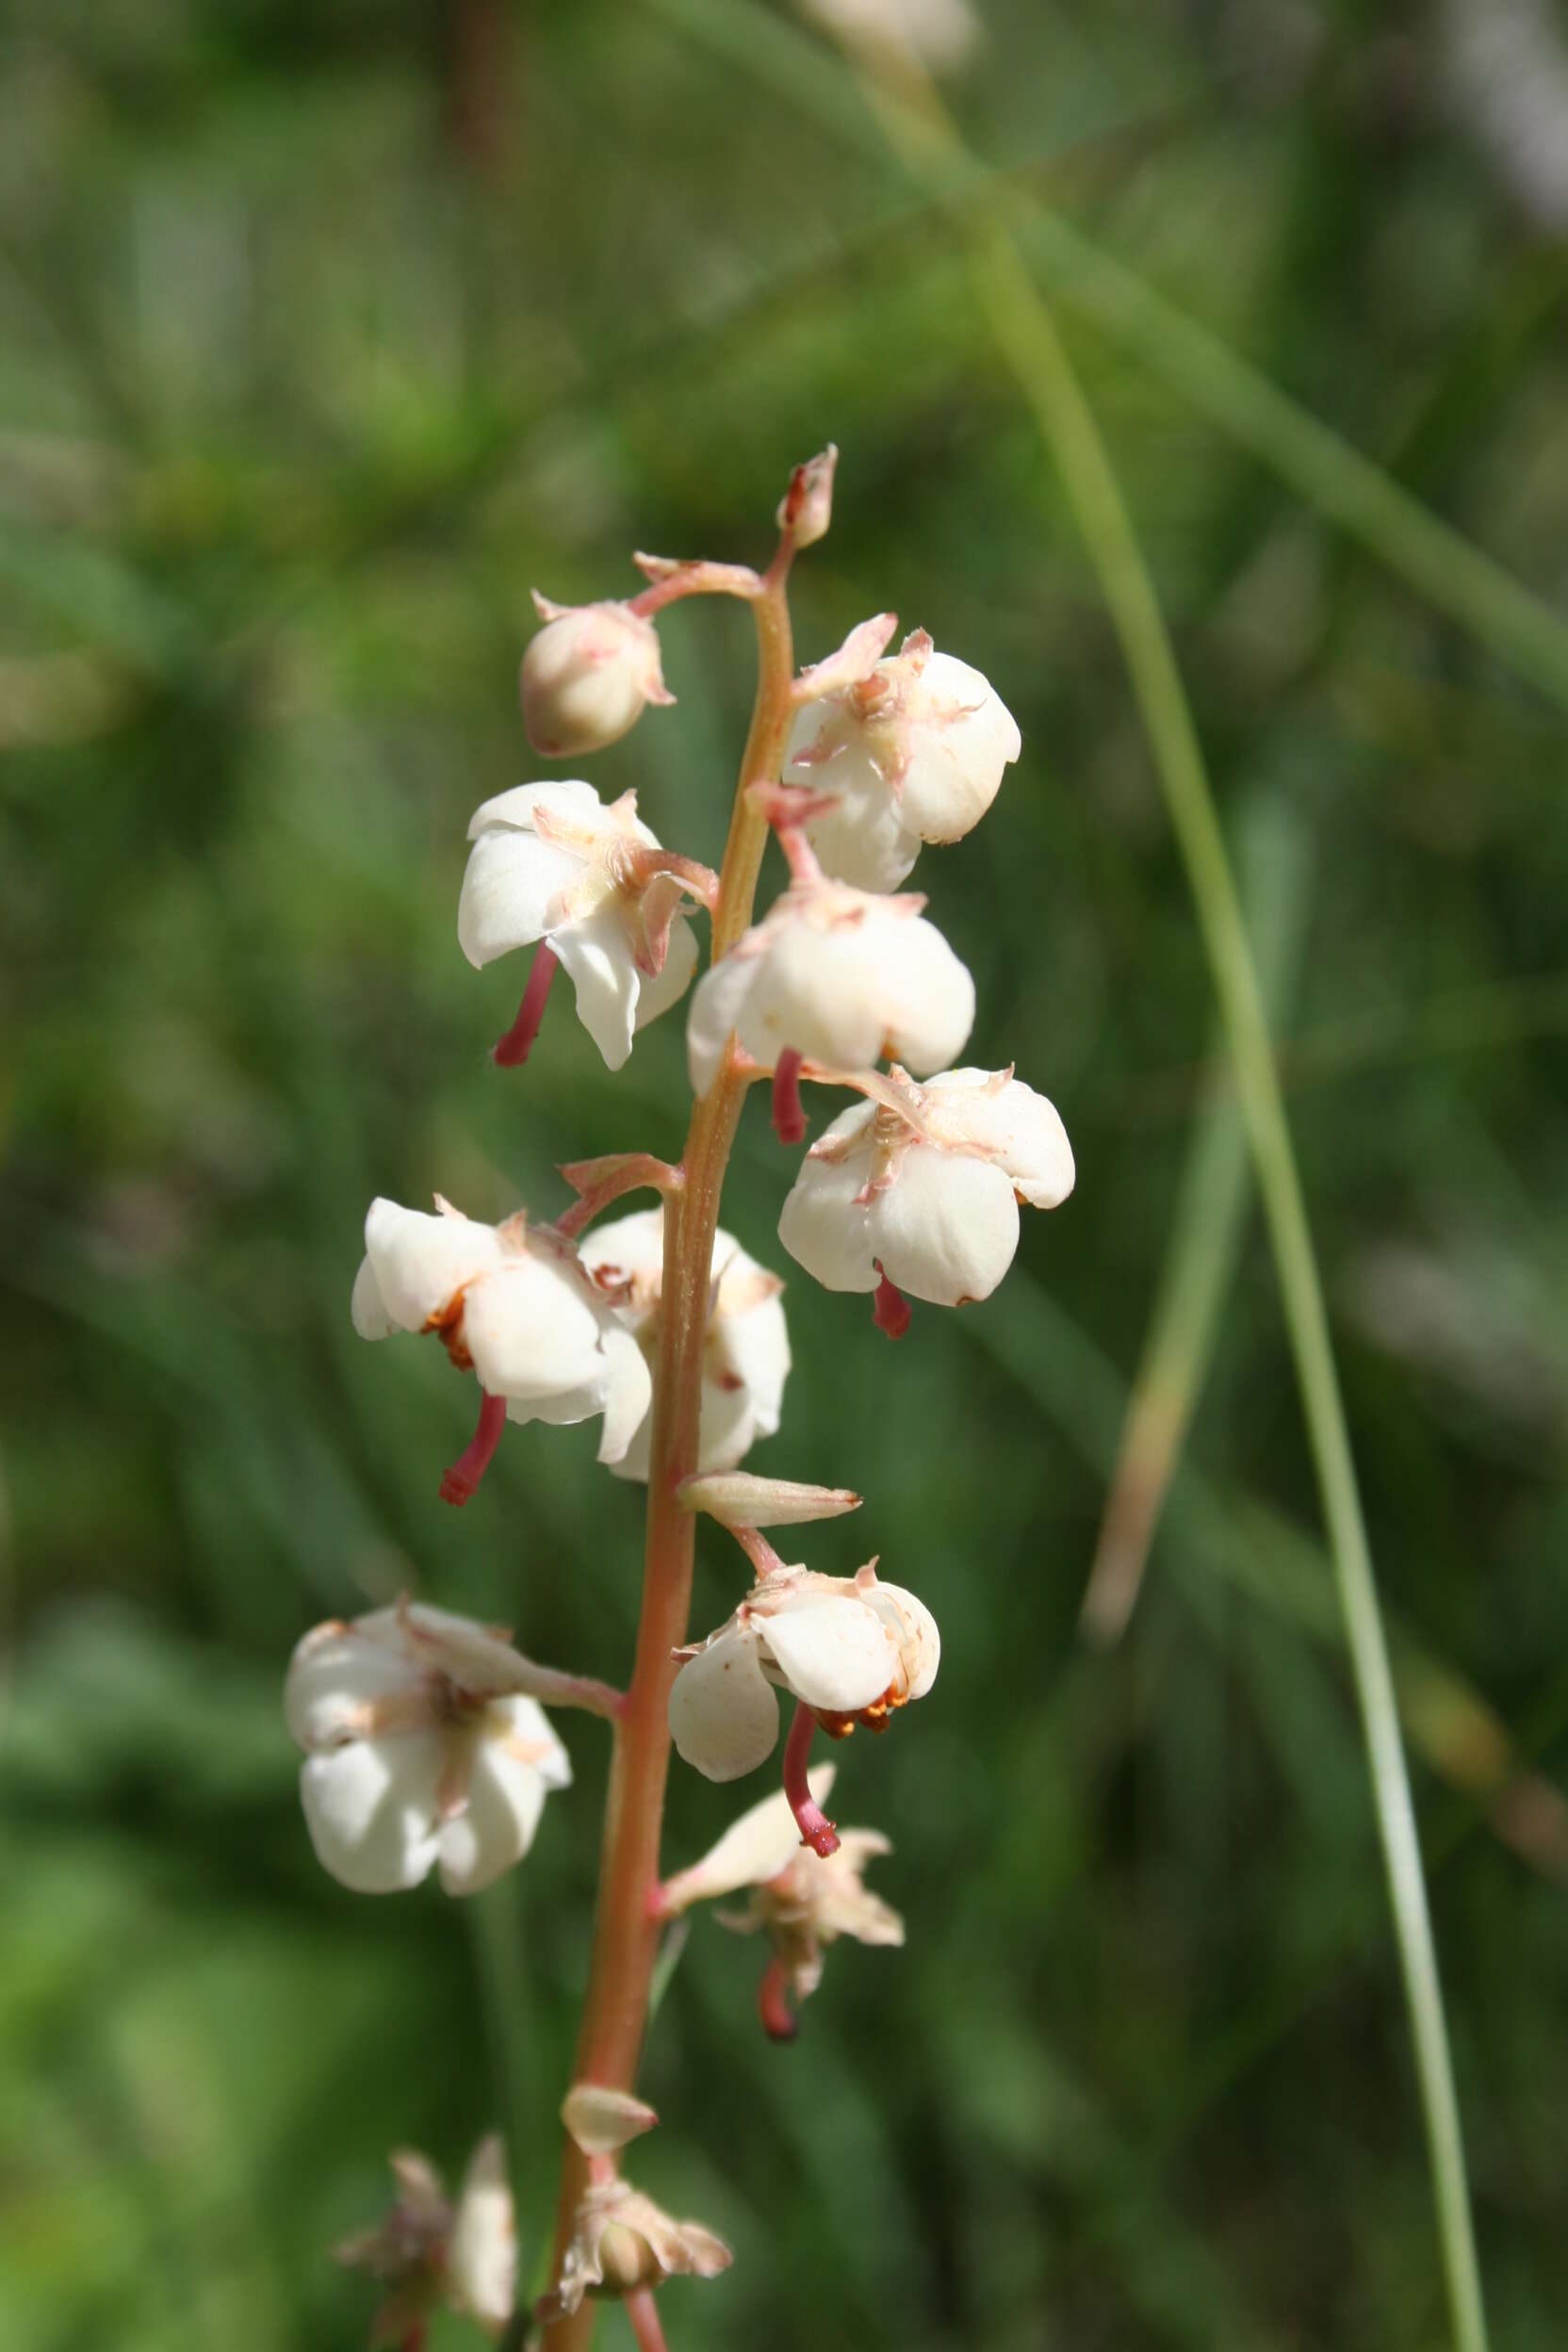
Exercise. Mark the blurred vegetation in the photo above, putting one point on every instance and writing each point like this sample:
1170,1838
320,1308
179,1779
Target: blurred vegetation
327,332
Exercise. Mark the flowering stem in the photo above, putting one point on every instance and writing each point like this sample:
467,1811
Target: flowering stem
816,1830
627,1927
758,1550
513,1051
459,1483
642,2311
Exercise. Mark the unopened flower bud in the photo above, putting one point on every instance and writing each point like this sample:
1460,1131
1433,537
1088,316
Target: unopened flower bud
587,676
806,509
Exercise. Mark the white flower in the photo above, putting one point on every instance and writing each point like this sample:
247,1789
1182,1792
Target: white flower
800,1900
835,976
745,1357
849,1648
429,2253
621,2240
587,676
922,1186
514,1304
551,863
422,1751
915,752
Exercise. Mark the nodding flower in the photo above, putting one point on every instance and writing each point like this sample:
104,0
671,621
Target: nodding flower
588,677
913,751
513,1304
917,1188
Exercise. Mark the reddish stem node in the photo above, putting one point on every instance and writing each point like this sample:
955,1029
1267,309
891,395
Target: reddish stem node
889,1307
779,2021
461,1481
513,1050
788,1117
816,1830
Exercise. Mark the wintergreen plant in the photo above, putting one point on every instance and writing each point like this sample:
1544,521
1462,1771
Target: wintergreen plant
428,1744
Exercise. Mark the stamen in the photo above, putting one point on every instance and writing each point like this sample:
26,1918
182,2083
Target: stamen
461,1481
889,1309
816,1830
779,2021
789,1118
513,1050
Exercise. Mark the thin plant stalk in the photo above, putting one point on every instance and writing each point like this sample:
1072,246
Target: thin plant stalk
1026,337
627,1927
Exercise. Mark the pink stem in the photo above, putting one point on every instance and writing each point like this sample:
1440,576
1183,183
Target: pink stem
642,2311
513,1050
816,1830
789,1119
889,1309
780,2022
461,1481
758,1550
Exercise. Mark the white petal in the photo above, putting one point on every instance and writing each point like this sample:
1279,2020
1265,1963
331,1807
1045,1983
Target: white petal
819,992
513,890
1019,1128
531,1331
660,989
628,1394
574,799
929,996
837,1655
370,1810
481,2250
723,1717
756,1848
716,1009
864,840
368,1308
515,1758
822,1226
946,1228
419,1262
596,954
459,1647
914,1631
338,1670
957,755
632,1246
754,1349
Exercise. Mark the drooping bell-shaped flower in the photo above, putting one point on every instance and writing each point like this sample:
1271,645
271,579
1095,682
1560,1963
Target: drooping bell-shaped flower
429,2254
745,1357
914,752
837,976
423,1749
588,677
916,1190
799,1900
551,865
849,1649
512,1303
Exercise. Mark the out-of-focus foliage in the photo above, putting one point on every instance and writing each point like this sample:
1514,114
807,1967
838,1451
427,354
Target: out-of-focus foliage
326,332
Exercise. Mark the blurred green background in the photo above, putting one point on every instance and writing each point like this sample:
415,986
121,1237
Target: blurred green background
328,330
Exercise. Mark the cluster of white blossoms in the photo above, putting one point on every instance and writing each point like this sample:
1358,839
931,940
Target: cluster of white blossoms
428,1749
